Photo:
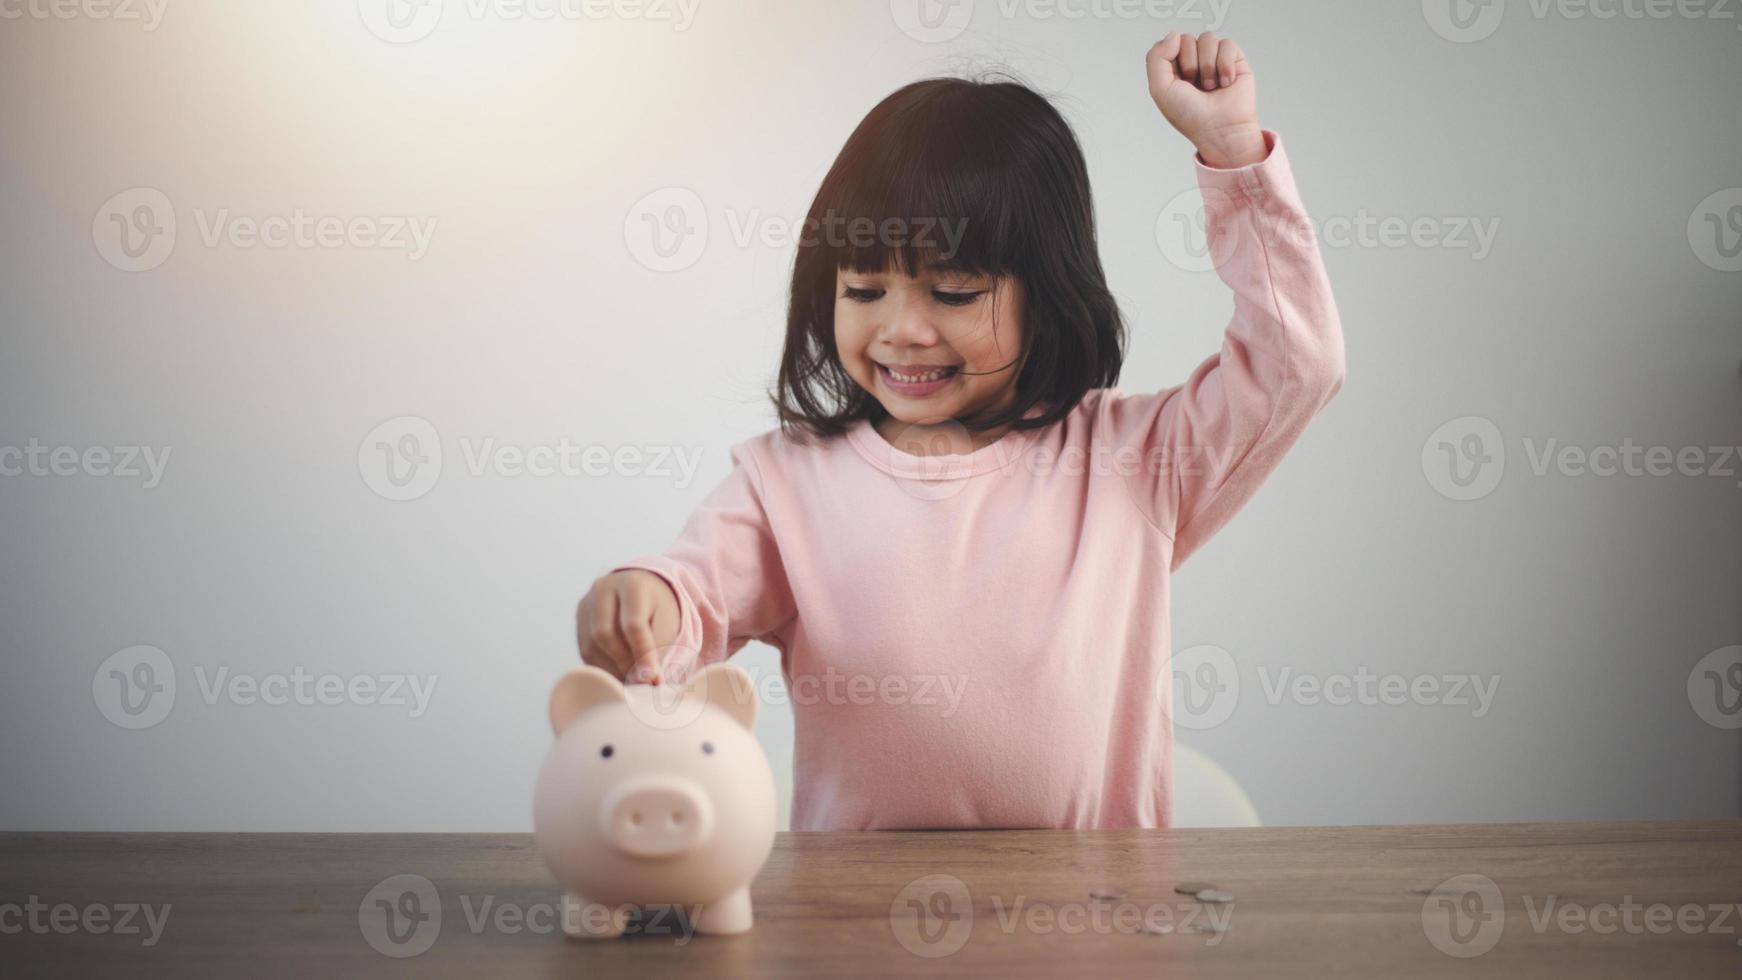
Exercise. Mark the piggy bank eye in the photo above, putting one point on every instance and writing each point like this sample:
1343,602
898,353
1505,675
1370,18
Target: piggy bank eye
708,748
606,751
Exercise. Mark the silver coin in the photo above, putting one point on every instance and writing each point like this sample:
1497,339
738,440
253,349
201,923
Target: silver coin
1211,927
1158,928
1215,895
1192,887
1107,892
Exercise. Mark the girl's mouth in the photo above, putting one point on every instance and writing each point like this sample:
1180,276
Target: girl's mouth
916,380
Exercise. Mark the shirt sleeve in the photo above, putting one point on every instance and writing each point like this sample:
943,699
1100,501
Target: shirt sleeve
726,572
1208,444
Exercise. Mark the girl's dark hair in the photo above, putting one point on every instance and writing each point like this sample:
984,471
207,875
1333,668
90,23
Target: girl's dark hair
996,164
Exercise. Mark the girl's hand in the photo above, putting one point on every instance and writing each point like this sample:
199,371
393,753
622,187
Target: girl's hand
1205,88
624,622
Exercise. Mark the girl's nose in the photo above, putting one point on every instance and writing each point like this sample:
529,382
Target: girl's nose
908,324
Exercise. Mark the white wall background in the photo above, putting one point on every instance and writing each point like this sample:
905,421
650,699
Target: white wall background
1595,316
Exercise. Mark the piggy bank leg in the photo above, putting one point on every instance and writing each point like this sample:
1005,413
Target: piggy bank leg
590,920
727,915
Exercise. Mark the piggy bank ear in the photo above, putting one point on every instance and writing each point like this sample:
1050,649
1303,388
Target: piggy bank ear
580,689
729,687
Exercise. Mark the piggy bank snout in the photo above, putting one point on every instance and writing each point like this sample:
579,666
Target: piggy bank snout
656,816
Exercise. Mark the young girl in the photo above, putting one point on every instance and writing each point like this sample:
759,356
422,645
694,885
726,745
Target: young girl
960,539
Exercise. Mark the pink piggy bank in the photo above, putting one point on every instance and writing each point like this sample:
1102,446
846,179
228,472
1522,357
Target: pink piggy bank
654,795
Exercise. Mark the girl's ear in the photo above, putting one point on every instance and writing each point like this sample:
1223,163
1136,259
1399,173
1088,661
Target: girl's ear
580,689
727,686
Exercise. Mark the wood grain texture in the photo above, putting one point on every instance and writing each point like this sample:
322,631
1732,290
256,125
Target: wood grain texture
1308,902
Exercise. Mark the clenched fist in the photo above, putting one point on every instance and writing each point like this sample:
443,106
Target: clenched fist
1204,87
625,623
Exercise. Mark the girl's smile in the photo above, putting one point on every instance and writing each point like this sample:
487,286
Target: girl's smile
916,380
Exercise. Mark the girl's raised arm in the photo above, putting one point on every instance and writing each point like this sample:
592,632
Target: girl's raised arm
1209,443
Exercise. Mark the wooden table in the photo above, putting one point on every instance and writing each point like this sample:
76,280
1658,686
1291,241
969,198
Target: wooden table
1351,901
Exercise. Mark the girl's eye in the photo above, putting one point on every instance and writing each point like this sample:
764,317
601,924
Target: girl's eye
946,297
606,751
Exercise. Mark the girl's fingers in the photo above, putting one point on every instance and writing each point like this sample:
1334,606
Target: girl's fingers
586,615
1228,58
1188,58
603,633
635,616
1159,62
1207,42
592,653
1167,49
1205,60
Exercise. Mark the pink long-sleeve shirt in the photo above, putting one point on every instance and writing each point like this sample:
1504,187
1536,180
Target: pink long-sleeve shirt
982,640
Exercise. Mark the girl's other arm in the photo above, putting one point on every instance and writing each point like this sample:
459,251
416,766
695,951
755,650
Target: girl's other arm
720,585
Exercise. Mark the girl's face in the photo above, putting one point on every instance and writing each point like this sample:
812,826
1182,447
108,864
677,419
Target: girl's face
929,349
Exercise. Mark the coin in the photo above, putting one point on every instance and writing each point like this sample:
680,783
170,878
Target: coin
1193,887
1158,928
1215,895
1107,892
1211,927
